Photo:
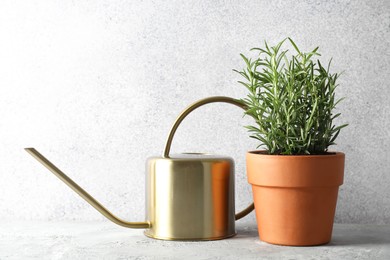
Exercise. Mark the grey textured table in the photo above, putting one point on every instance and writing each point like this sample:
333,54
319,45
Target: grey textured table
104,240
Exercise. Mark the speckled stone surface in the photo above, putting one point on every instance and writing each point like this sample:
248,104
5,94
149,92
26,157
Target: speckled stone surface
95,86
103,240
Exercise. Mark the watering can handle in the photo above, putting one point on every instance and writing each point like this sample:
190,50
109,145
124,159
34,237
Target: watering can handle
185,113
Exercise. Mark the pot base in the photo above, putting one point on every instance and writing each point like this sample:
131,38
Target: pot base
295,216
294,245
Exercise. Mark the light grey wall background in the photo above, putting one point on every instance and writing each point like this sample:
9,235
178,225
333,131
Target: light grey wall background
96,85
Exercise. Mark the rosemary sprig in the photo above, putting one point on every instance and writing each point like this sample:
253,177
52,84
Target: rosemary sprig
291,100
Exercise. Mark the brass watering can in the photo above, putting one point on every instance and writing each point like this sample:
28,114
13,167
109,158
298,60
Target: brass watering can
188,196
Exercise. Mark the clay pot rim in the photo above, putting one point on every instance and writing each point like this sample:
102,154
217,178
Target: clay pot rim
263,153
295,170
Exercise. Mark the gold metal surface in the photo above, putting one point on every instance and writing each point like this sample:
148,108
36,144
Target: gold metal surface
245,211
191,197
88,198
191,108
188,110
188,197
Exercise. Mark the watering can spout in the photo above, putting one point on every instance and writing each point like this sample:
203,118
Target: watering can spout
75,187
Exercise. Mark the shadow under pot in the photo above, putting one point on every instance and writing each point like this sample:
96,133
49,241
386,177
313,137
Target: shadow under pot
295,196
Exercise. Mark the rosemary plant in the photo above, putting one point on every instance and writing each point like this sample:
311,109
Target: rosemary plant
291,99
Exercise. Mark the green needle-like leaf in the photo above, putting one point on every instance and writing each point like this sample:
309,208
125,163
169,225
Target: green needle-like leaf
291,100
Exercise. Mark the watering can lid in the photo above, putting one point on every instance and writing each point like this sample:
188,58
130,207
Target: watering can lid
193,157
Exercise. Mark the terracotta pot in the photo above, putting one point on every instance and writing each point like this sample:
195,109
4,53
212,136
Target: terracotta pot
295,196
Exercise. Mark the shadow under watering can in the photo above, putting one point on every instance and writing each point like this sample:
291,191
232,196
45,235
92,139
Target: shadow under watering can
189,196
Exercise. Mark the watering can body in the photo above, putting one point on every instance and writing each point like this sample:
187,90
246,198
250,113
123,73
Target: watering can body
188,196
